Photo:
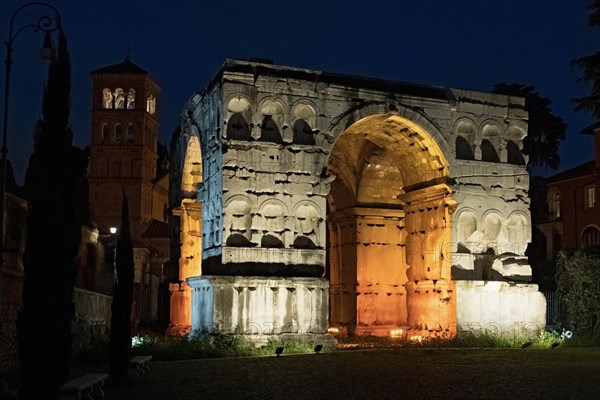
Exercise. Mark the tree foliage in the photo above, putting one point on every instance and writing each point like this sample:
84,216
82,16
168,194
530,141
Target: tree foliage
545,131
578,281
55,188
590,69
120,334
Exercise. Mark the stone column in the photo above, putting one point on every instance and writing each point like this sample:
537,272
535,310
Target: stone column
431,300
190,264
367,270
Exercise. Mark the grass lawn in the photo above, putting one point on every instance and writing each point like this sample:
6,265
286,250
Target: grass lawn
563,373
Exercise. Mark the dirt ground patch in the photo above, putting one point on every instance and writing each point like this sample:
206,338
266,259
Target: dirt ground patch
387,374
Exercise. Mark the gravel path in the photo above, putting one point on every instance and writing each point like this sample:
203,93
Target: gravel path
378,374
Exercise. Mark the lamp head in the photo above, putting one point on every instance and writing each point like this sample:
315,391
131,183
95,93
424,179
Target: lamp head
47,50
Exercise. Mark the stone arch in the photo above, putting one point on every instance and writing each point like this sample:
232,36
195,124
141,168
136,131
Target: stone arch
305,111
238,221
515,132
465,127
491,226
415,116
466,225
490,141
405,230
273,214
308,218
275,109
191,174
518,231
237,104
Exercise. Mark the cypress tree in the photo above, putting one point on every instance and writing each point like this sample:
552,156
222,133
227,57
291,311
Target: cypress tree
120,334
55,187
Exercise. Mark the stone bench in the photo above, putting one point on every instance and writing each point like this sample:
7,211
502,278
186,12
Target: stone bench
86,386
141,364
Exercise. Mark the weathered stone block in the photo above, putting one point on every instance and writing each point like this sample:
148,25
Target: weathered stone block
259,306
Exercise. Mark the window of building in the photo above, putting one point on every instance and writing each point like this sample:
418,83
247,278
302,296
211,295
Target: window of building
590,237
554,204
556,210
107,98
130,133
131,99
119,99
105,133
151,105
118,133
590,196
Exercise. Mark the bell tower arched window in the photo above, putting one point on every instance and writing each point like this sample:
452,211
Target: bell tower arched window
131,99
151,105
107,98
119,99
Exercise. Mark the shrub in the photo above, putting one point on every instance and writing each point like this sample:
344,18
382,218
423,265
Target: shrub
578,281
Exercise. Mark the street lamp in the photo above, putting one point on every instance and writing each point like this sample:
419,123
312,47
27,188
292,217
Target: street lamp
48,22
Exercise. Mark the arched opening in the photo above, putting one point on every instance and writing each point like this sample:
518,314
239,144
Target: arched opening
590,238
463,149
389,229
237,128
553,201
302,133
488,152
119,99
189,213
514,154
269,131
131,99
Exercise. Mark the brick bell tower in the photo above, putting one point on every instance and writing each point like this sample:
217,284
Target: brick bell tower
123,145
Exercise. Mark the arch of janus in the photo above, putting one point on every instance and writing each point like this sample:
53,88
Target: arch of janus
306,201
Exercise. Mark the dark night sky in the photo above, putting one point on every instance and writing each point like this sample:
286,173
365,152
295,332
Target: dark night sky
468,44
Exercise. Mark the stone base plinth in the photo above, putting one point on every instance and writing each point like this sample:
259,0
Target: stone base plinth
180,313
260,307
499,308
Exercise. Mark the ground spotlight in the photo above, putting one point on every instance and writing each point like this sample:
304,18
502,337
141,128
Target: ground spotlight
318,348
526,345
568,334
278,351
555,345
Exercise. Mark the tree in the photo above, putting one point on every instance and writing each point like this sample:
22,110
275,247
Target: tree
578,281
590,68
120,334
55,187
545,130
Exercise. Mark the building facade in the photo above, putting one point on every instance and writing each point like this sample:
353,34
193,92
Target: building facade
572,220
308,200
